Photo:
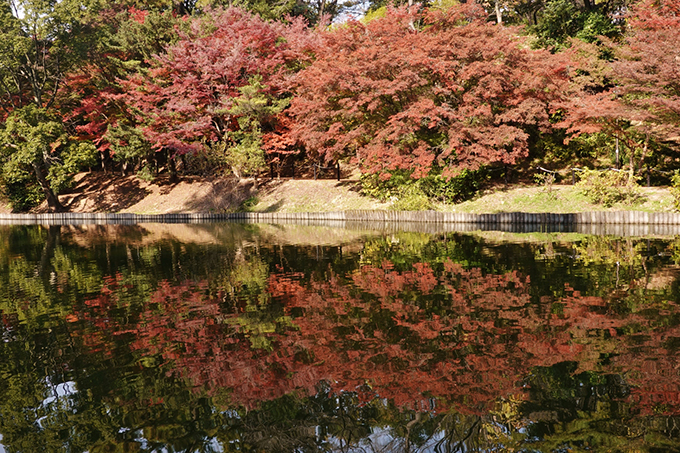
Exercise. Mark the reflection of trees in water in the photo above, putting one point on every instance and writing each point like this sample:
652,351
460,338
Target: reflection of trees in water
424,345
464,336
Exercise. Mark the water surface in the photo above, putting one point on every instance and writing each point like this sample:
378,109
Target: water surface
231,337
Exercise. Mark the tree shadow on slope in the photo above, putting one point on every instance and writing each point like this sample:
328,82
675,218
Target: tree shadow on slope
221,195
102,192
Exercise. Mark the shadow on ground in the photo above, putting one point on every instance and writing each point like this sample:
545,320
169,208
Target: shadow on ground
220,195
352,185
100,192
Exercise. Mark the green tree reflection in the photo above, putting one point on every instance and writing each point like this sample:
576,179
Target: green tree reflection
115,341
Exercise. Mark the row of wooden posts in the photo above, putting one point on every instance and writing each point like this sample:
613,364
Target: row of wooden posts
513,218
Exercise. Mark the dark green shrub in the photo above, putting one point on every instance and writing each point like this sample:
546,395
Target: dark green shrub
24,195
418,194
675,190
608,187
454,190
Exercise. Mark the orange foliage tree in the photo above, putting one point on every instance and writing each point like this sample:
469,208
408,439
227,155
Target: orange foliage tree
455,92
187,99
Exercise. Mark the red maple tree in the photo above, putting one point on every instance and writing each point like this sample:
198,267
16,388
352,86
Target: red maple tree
456,93
185,99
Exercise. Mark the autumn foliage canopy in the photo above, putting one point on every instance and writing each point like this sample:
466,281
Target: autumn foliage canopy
419,91
456,93
639,94
186,99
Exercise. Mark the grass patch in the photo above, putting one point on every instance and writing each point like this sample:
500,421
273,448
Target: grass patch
321,196
561,199
249,204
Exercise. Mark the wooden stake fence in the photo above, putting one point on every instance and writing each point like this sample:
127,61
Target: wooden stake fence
644,223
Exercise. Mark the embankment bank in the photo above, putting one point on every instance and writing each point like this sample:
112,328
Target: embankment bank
105,193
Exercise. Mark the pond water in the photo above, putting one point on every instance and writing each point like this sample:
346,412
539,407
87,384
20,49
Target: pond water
252,338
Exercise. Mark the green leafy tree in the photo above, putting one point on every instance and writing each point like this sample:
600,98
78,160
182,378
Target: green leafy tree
560,20
40,41
254,110
35,147
313,11
126,39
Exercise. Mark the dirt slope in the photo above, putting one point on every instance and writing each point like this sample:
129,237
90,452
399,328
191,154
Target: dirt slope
100,192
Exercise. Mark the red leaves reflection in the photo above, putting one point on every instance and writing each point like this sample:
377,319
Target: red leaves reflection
459,335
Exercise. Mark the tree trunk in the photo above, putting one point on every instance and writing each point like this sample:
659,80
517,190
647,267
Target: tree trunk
172,169
411,24
106,161
52,200
618,163
53,233
499,13
644,154
631,170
